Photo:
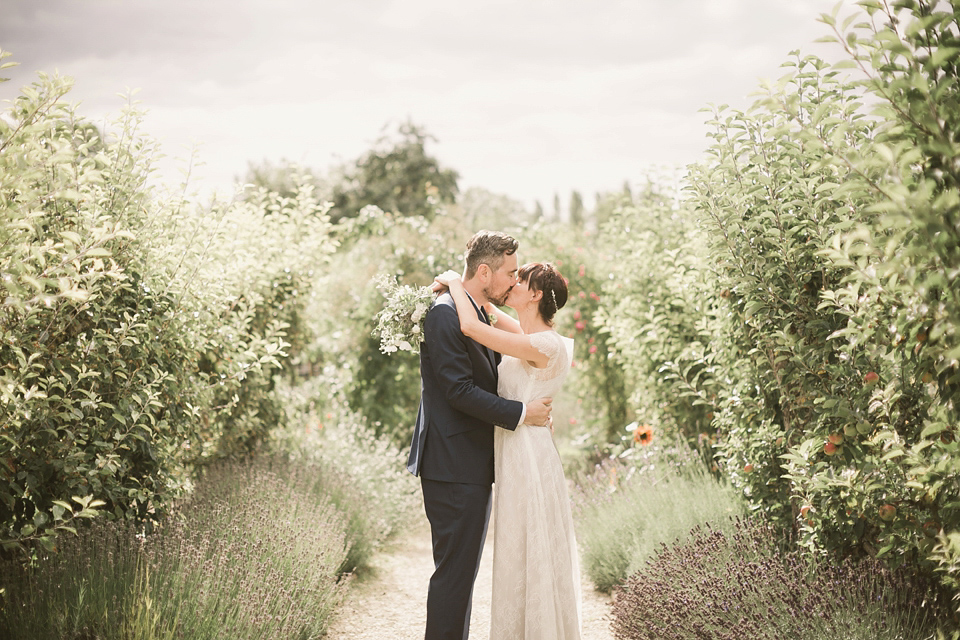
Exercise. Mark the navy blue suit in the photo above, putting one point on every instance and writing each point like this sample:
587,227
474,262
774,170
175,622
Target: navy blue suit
452,452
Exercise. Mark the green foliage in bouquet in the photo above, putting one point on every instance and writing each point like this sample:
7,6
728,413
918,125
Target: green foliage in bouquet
400,322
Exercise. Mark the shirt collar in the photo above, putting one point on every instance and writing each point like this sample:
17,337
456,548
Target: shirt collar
480,311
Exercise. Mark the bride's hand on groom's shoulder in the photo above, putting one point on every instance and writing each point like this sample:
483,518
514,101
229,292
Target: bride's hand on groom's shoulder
444,279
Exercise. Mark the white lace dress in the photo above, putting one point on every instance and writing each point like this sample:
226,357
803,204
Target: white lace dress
536,573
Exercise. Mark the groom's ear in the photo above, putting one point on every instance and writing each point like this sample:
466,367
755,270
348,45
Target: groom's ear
483,272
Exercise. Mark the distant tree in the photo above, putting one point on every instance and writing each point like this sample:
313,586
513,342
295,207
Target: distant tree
537,210
609,202
283,178
483,209
556,207
576,209
396,175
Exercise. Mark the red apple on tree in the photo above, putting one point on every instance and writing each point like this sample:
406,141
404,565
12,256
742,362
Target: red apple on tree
888,512
835,438
829,448
871,377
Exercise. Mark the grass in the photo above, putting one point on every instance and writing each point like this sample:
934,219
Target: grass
625,511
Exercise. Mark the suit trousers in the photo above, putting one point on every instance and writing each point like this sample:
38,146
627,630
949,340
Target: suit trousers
458,515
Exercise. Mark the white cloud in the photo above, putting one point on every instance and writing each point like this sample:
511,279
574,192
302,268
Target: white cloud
527,97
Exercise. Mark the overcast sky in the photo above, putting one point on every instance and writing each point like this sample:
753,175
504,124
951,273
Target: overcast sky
525,97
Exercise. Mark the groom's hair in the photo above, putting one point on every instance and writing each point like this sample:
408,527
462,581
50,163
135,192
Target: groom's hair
489,248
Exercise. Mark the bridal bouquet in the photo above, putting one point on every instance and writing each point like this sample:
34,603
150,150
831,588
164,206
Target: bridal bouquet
400,324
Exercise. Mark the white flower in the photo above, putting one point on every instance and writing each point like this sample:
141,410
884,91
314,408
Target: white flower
399,324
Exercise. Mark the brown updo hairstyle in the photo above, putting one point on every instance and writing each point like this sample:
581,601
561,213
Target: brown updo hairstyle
544,277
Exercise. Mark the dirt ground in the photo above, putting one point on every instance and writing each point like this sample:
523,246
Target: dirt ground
390,604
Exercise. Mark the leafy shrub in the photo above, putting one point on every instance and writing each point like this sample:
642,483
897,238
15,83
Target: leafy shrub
659,312
834,237
86,331
252,554
625,511
138,336
384,389
252,283
733,585
769,206
597,376
899,298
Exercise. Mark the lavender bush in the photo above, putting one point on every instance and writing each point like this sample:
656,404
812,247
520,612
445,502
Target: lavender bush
254,553
726,586
371,484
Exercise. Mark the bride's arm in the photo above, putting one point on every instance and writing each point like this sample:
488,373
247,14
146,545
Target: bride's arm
517,345
505,322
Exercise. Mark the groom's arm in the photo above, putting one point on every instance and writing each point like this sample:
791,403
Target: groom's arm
454,371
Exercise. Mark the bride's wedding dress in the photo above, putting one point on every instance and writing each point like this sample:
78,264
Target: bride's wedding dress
536,574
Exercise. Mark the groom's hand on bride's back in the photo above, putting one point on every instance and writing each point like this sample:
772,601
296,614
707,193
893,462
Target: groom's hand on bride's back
538,412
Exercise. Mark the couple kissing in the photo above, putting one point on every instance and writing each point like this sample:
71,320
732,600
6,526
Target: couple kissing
487,384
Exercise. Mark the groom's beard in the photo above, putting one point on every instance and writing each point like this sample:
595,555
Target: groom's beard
497,300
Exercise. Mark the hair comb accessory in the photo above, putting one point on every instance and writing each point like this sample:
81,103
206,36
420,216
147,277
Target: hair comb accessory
553,294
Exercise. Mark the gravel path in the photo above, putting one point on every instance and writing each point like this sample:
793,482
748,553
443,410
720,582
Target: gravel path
391,603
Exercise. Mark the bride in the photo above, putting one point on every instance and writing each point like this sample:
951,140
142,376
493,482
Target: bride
536,575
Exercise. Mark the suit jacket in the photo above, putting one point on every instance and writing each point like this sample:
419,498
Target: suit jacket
459,405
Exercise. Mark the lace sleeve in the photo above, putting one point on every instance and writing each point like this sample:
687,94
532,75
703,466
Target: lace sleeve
550,344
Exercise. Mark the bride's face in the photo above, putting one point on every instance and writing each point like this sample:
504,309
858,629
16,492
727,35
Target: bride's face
520,295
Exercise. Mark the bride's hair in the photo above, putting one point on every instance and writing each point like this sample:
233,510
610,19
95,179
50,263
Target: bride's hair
543,276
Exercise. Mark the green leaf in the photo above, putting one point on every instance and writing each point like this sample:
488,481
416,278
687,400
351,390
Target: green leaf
72,236
752,308
942,55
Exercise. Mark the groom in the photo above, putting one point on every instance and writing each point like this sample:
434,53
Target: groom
452,448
